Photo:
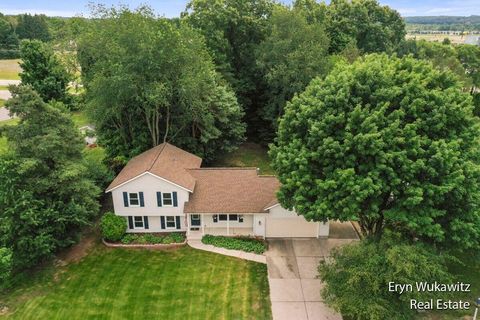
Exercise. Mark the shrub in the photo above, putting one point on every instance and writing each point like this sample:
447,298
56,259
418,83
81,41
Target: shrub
5,265
358,275
152,239
177,237
239,243
129,238
113,227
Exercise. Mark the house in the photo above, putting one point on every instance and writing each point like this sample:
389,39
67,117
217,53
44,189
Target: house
164,189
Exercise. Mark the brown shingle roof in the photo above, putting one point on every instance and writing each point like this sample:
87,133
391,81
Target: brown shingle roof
166,161
231,190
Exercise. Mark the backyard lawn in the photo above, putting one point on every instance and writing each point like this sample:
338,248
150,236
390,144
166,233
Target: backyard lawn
141,284
9,69
247,155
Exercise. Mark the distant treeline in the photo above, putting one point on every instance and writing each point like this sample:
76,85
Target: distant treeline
445,23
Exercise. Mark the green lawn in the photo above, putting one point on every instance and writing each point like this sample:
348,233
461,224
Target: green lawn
80,118
10,69
3,87
247,155
141,284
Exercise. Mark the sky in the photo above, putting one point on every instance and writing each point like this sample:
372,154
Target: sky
172,8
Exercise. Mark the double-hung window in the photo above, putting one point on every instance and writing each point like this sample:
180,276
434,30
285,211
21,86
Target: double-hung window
138,223
171,224
167,199
133,199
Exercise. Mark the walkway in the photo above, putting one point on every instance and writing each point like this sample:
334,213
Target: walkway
293,275
197,244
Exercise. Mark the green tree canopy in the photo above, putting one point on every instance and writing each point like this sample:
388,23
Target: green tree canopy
358,275
294,53
232,30
443,57
388,142
45,195
43,71
372,27
33,27
149,80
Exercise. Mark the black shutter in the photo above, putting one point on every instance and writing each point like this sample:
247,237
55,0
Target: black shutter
130,222
125,199
240,218
178,221
142,203
162,222
175,202
215,218
159,199
145,221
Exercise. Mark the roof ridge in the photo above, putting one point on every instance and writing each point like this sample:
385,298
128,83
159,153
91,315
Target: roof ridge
156,157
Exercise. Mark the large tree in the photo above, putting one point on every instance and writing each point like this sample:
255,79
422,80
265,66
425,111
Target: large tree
232,30
372,27
43,71
33,27
46,196
295,52
151,80
387,142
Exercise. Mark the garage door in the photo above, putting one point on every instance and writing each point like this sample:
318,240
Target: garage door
294,227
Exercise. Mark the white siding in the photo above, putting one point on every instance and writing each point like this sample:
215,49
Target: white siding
149,185
155,226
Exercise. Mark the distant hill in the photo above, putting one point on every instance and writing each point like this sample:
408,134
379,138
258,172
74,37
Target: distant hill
453,23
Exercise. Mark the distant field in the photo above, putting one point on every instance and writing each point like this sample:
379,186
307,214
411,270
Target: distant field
9,69
454,38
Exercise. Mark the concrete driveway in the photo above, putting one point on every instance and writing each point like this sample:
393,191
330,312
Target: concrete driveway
293,276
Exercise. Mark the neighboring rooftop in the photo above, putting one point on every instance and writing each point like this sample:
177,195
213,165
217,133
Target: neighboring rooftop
231,190
166,161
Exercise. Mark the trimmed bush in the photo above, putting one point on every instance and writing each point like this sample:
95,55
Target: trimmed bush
129,238
113,227
239,243
148,238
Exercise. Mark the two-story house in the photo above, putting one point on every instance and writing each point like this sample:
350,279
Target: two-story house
164,189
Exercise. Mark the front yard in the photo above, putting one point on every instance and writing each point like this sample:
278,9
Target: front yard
142,284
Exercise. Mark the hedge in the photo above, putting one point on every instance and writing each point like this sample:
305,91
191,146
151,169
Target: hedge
238,243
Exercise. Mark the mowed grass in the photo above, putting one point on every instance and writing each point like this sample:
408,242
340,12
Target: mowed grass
247,155
80,118
141,284
10,69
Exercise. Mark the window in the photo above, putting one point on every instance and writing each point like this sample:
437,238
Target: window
133,199
233,217
138,223
195,217
171,222
222,217
167,199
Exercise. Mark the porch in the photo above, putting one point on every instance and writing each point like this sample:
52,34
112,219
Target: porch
219,224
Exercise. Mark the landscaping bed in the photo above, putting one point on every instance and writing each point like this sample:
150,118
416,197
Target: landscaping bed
236,243
149,240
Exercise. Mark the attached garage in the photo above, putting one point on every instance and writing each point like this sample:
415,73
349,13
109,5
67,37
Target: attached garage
282,223
296,227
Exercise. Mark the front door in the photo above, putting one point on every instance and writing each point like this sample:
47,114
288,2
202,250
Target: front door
195,221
